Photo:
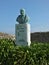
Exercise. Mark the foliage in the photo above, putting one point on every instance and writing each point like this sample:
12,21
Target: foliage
11,54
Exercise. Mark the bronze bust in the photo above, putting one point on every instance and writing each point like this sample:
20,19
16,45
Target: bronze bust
22,18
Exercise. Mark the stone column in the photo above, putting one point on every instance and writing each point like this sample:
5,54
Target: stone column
22,34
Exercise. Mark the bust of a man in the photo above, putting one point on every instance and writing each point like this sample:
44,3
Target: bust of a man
22,18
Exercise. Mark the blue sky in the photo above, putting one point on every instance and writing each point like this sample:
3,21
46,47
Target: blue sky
37,10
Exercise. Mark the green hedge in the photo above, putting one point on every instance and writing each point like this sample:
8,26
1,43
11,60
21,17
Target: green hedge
36,54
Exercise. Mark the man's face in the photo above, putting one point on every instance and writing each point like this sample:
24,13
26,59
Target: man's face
22,12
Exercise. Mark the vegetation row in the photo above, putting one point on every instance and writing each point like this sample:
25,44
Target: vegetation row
11,54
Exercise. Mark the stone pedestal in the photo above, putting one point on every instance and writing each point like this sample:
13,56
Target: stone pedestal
22,34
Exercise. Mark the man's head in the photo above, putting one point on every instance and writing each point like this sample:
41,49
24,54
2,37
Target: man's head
22,11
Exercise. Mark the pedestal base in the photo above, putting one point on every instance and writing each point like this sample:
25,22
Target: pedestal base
22,34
